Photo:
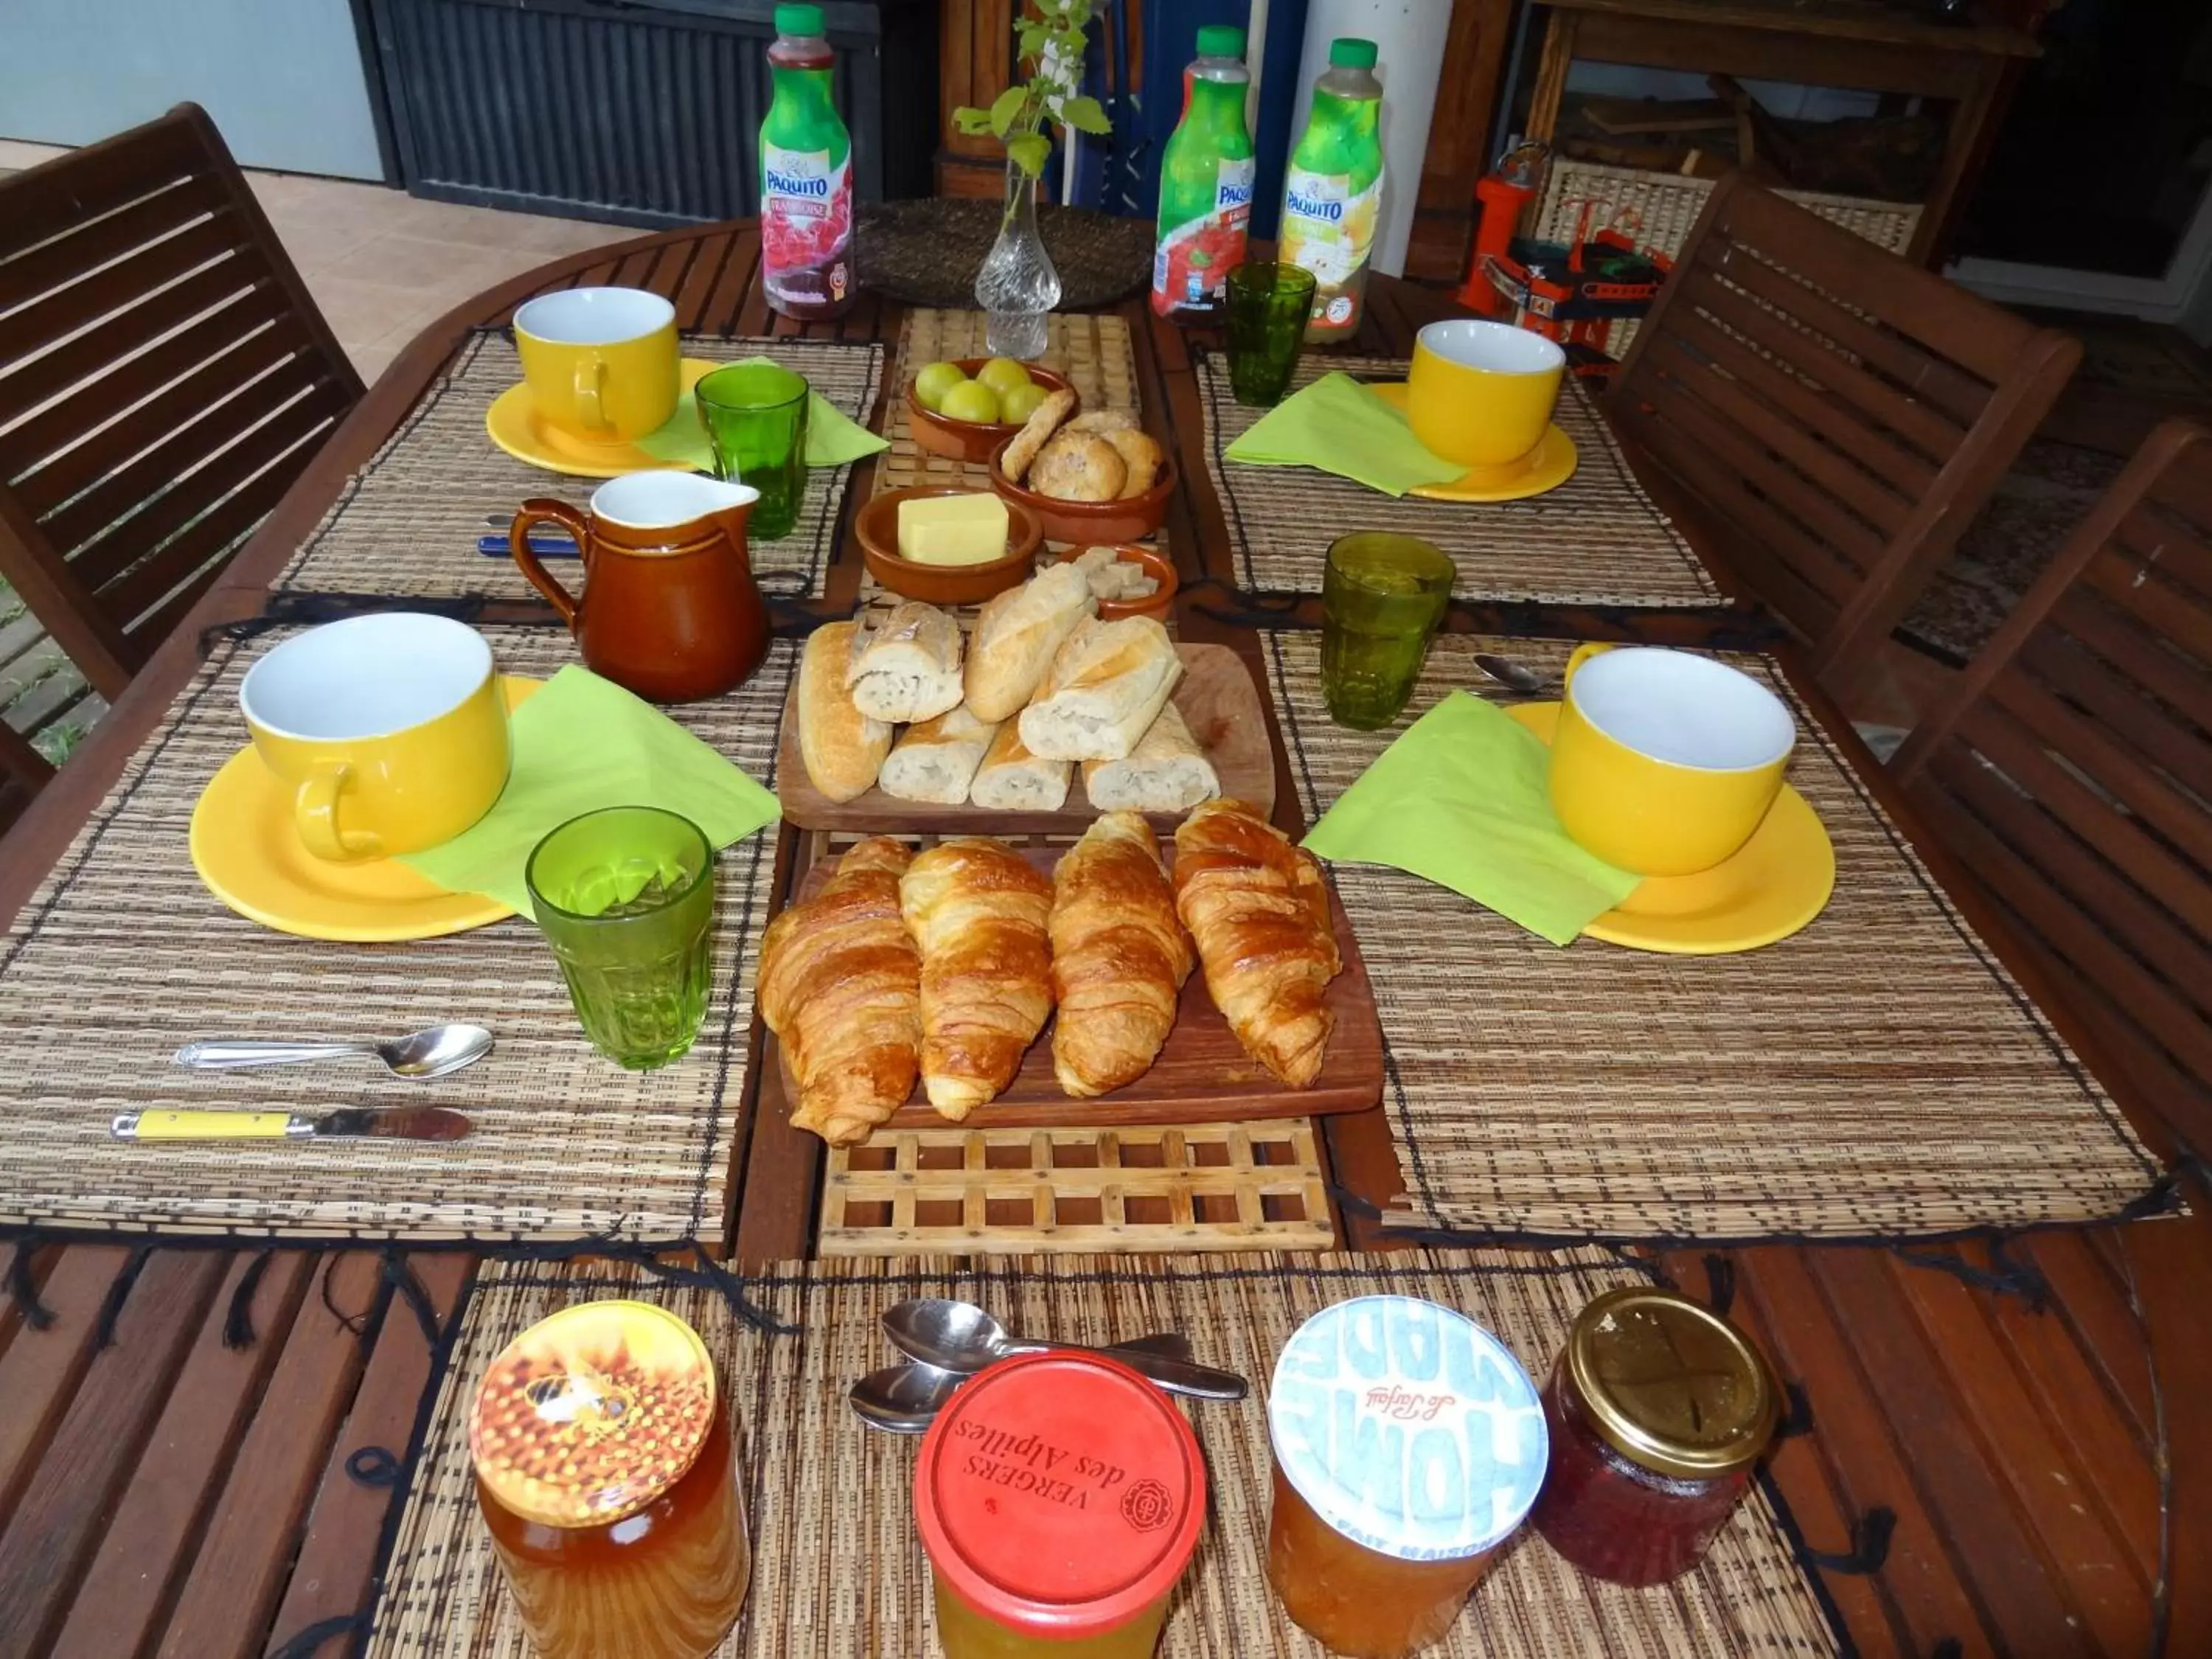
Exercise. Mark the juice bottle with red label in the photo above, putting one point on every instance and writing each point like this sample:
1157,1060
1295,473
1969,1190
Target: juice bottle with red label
1206,182
806,177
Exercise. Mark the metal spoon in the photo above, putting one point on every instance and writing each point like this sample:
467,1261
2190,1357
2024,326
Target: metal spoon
1513,675
429,1052
905,1399
959,1336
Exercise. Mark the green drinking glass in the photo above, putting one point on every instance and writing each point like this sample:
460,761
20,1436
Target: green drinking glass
626,898
755,419
1382,598
1269,304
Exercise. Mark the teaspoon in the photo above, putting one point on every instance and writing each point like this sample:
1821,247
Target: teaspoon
905,1399
959,1336
429,1052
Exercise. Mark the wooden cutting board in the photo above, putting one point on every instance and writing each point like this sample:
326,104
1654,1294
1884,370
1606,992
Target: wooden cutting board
1202,1075
1215,697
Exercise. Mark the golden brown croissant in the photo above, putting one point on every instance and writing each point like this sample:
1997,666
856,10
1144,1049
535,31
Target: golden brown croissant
1259,911
1119,956
841,984
978,910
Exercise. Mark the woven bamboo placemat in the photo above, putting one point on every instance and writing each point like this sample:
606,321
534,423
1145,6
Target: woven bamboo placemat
1597,539
838,1572
123,954
1879,1074
408,521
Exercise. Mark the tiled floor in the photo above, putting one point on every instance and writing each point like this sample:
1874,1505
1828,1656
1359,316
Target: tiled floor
382,264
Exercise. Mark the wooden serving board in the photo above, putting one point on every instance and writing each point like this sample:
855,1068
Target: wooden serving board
1202,1074
1216,698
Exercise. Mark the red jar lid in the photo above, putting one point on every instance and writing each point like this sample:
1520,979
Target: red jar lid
1060,1494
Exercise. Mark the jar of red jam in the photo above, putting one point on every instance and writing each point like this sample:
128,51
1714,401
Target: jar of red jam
1658,1409
606,1472
1408,1446
1059,1497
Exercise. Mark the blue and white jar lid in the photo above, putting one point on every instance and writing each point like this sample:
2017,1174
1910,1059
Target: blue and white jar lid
1407,1428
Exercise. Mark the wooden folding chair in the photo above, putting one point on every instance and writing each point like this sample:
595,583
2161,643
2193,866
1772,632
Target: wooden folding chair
2071,771
23,773
1838,414
164,377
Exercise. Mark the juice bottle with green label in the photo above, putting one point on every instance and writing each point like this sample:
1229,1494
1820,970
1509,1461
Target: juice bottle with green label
806,177
1333,193
1206,182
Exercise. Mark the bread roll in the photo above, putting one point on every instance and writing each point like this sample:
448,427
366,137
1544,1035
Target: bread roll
1106,686
1079,466
979,910
1119,956
1140,459
1016,637
908,668
936,761
843,748
1104,421
1166,772
1012,780
1042,423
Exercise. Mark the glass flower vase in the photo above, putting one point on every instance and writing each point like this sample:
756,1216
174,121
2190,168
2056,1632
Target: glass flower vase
1018,284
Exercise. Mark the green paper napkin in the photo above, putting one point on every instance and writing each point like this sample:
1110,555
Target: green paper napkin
1461,800
833,438
582,742
1340,427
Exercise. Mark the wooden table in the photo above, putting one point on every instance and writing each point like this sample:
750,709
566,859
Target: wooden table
168,1494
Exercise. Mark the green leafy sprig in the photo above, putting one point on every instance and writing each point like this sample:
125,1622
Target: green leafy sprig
1052,49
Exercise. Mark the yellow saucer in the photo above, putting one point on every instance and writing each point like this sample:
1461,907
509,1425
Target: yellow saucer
513,423
1776,882
1546,466
247,851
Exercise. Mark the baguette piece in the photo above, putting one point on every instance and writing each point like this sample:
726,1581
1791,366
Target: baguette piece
1258,909
1166,772
979,911
909,667
1106,686
1012,780
1119,956
936,761
1017,634
843,749
841,984
1042,423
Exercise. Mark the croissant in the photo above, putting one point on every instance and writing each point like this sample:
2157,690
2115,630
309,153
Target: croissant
1119,956
978,910
1259,911
841,984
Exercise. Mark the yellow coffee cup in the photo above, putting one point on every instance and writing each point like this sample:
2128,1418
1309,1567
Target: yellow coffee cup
390,728
600,362
1664,763
1482,393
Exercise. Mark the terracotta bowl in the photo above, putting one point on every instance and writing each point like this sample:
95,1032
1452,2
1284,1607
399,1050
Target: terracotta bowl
1155,564
1130,519
973,440
943,584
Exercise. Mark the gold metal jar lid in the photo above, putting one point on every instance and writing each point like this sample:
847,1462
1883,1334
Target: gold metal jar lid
1670,1385
590,1415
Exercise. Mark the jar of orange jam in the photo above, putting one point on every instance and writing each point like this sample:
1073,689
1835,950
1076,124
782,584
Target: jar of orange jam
606,1472
1408,1446
1059,1497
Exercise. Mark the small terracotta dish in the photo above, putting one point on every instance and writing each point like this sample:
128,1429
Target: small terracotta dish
1089,523
1154,563
973,440
876,523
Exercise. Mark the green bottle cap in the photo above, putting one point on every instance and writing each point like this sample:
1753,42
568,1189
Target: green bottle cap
1349,51
804,20
1221,40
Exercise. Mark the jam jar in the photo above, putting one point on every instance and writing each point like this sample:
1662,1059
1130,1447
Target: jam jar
1059,1498
1408,1445
1658,1409
606,1474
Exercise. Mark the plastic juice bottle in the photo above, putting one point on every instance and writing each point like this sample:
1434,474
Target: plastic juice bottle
806,177
1333,193
1206,182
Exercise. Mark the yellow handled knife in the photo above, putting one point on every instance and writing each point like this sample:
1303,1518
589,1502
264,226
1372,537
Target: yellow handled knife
407,1123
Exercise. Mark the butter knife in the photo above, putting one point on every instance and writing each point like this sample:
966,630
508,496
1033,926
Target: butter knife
406,1123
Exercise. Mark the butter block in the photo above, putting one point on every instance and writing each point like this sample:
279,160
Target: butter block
952,529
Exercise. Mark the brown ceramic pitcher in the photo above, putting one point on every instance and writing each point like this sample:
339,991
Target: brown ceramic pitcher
669,608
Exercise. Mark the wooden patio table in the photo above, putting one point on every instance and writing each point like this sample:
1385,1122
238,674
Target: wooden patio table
2024,1416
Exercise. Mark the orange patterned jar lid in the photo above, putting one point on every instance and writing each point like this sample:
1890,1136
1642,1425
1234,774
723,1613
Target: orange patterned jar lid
590,1415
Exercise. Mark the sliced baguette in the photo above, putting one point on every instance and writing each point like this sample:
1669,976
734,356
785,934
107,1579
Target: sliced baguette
909,667
936,761
1012,780
1167,772
843,748
1016,637
1107,684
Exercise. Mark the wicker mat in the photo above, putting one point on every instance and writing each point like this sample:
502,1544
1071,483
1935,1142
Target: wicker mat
123,954
1597,539
1879,1074
838,1572
408,521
